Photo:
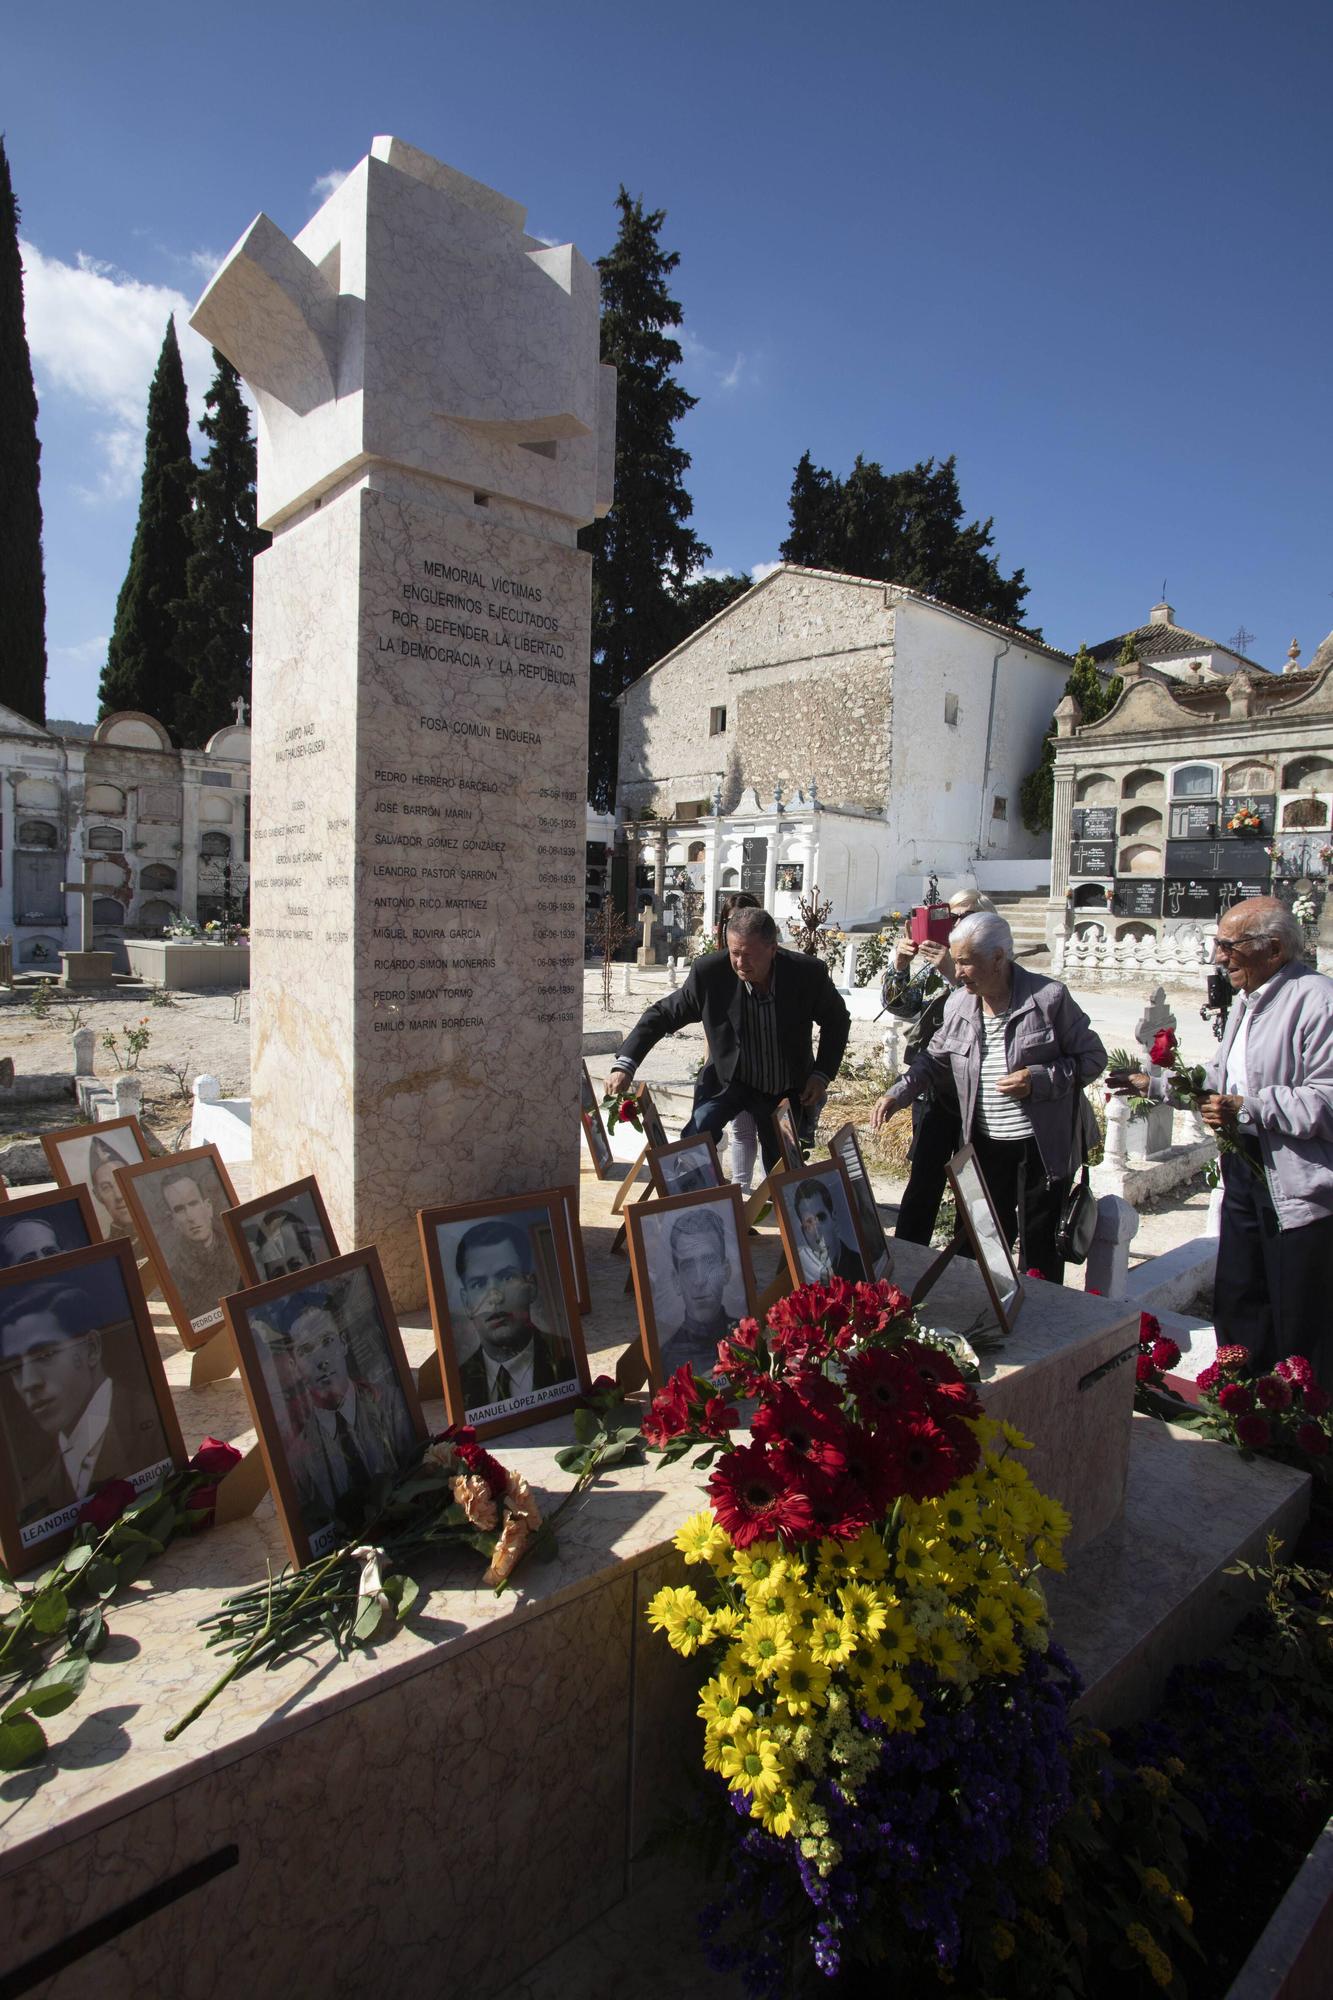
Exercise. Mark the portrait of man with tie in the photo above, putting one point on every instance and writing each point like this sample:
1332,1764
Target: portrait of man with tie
76,1406
499,1286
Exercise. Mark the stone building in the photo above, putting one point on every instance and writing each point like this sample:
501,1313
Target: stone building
1192,792
161,832
1173,650
834,729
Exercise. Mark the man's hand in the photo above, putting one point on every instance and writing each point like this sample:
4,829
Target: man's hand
883,1111
1220,1113
1124,1082
814,1093
905,953
1018,1083
619,1082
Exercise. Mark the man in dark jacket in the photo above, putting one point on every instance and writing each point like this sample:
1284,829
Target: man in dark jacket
758,1005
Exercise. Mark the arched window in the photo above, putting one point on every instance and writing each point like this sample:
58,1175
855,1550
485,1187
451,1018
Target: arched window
695,851
1304,812
1090,896
155,916
37,833
106,910
1141,819
1308,774
107,799
157,876
215,847
1141,784
106,839
1194,781
1095,788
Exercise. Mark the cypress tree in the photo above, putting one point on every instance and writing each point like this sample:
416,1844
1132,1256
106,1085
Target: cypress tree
214,618
1036,798
22,586
643,551
145,666
811,506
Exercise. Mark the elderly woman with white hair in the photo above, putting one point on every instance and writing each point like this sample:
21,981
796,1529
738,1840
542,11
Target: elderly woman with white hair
1018,1050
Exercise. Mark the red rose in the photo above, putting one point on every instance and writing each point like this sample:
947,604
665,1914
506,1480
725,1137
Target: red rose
1165,1353
1273,1392
1163,1051
105,1507
215,1457
1312,1440
1150,1328
1316,1400
1254,1431
1236,1398
626,1112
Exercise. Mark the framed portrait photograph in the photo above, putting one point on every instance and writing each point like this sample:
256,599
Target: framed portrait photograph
594,1131
89,1156
83,1396
178,1203
685,1165
578,1261
981,1225
36,1227
281,1232
821,1234
504,1306
845,1146
693,1278
654,1131
789,1139
330,1391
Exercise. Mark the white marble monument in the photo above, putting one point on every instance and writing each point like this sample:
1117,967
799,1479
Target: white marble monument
434,428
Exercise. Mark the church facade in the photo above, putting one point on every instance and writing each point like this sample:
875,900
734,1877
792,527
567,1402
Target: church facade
160,832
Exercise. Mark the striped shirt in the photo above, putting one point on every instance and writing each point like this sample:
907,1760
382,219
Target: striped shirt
997,1116
759,1060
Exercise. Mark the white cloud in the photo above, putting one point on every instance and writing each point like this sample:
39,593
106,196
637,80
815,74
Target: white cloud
328,184
761,570
95,334
205,263
84,652
706,366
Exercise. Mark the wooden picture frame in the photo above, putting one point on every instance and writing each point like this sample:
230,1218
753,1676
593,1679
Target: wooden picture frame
594,1130
654,1131
61,1219
976,1212
555,1347
667,1176
724,1284
578,1257
298,1338
845,1146
788,1136
275,1230
192,1254
88,1323
71,1167
849,1257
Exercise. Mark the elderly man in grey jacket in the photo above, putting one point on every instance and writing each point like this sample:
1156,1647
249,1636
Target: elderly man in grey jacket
1271,1085
1018,1049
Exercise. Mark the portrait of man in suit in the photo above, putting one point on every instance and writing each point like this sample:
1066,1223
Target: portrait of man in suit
499,1285
91,1421
701,1267
351,1430
282,1242
824,1250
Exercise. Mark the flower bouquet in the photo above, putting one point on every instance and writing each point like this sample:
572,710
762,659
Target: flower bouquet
1186,1087
1285,1413
883,1713
1245,819
622,1111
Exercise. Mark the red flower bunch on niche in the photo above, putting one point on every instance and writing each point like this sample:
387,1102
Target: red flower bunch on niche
1158,1353
1162,1054
827,1457
1286,1411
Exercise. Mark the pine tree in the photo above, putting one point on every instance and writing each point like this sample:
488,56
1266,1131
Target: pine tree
643,551
145,665
1036,798
22,586
214,617
903,527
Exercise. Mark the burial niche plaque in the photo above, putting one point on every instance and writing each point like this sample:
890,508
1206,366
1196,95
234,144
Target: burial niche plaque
1094,822
435,427
1092,857
1137,896
1194,822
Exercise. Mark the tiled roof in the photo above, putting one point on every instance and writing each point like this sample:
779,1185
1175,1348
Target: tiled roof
1165,642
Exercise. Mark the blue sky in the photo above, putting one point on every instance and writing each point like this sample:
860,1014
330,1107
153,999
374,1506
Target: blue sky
1086,249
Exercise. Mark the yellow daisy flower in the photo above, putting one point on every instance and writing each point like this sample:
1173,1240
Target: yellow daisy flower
897,1642
767,1645
803,1685
832,1640
683,1616
958,1514
1003,1656
722,1703
758,1563
868,1558
864,1608
750,1763
992,1621
700,1539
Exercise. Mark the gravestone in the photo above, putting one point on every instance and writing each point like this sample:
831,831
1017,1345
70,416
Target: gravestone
85,967
1152,1135
434,428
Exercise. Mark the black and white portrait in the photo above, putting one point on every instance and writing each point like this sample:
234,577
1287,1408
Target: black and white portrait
817,1226
287,1235
687,1166
34,1229
183,1202
844,1147
508,1309
89,1158
696,1275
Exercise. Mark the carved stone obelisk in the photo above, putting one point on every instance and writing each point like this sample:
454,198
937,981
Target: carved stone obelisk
434,428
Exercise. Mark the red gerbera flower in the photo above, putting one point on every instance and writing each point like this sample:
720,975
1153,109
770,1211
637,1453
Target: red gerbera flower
928,1457
948,1393
1254,1431
885,1384
754,1501
814,1433
840,1508
873,1464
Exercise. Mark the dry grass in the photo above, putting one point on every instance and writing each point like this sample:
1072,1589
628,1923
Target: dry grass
853,1096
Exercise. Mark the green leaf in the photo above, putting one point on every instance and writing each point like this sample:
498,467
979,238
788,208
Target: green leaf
611,1454
128,1562
574,1458
58,1687
586,1426
89,1635
50,1608
76,1557
402,1592
101,1577
22,1741
369,1618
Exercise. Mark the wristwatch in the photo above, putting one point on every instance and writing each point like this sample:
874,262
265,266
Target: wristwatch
1244,1116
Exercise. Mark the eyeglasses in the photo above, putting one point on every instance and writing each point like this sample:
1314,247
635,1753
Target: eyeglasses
1225,947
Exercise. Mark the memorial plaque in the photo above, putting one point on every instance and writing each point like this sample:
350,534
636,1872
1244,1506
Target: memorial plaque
1137,896
435,427
1094,822
1194,822
1248,859
1298,854
1195,857
1190,899
1246,802
1092,857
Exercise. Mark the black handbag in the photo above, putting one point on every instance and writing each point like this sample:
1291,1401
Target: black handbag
1078,1211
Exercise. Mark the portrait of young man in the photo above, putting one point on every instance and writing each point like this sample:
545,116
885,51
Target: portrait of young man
28,1239
185,1209
348,1430
703,1263
823,1244
90,1422
498,1283
283,1241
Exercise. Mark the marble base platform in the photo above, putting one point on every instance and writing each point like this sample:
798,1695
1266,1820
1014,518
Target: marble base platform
189,966
1153,1591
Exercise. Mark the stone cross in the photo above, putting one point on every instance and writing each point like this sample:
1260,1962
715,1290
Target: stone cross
85,891
1156,1015
240,711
